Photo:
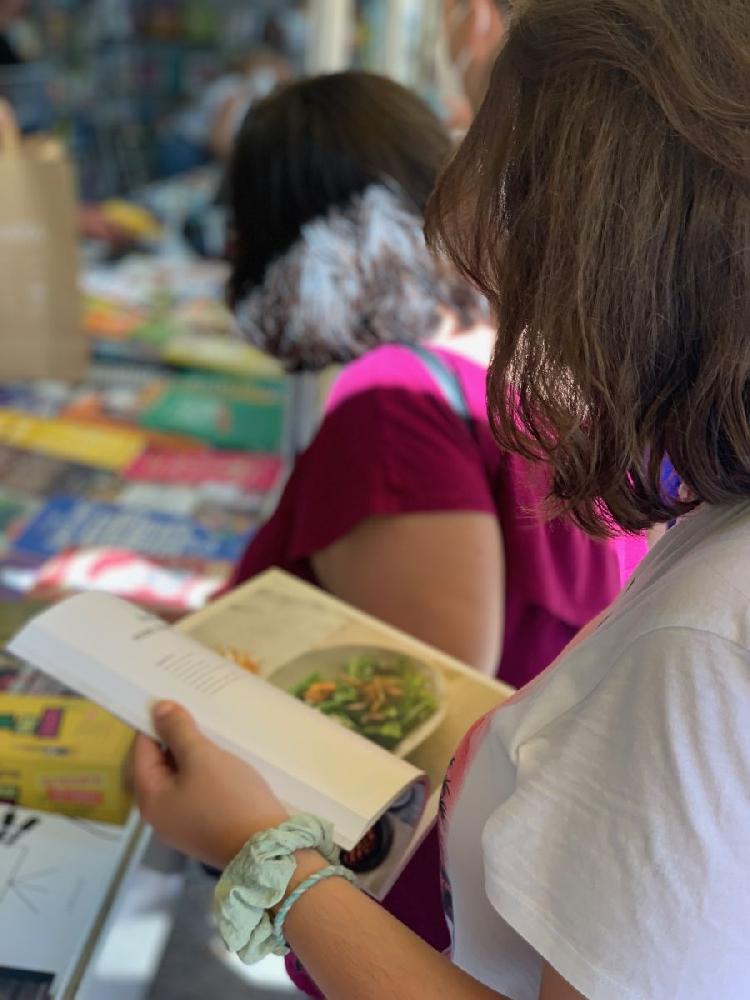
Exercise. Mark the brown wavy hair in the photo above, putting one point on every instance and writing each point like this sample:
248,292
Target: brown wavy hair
601,201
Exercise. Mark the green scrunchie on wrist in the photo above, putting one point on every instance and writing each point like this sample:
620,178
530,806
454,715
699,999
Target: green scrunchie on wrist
257,880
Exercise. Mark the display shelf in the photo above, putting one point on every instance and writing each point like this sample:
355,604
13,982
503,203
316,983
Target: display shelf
113,72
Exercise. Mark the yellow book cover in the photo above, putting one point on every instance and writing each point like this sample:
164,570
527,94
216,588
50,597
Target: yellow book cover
102,447
64,755
196,350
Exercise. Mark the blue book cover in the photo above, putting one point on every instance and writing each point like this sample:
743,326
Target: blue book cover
71,523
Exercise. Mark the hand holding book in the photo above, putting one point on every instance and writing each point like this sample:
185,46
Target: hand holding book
316,753
201,800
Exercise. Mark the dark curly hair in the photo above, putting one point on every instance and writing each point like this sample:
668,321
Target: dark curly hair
315,145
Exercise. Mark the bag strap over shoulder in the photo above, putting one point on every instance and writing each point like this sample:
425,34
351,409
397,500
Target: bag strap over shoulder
448,382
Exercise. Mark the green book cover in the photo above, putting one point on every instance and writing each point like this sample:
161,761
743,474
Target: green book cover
243,418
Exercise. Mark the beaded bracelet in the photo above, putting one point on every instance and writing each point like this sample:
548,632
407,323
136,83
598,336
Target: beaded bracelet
335,871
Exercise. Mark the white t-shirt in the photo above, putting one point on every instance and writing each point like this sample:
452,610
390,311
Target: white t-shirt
601,820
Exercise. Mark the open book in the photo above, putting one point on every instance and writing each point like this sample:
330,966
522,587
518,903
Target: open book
237,665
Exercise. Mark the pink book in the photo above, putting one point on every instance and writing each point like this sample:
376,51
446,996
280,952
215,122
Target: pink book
257,473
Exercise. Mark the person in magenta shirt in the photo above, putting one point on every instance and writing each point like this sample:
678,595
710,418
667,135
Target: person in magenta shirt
390,446
403,504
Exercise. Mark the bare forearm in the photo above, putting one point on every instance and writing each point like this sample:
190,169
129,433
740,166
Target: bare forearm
354,948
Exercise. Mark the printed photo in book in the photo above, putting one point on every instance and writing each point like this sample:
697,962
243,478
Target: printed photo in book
344,716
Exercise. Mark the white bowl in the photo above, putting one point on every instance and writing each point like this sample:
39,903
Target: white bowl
330,662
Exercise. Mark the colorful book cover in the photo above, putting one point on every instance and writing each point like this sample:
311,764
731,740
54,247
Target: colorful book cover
246,386
44,398
120,402
140,282
111,320
128,352
156,497
18,575
120,408
136,578
256,473
103,447
63,755
219,509
67,522
10,669
224,415
14,510
219,354
37,476
27,473
225,517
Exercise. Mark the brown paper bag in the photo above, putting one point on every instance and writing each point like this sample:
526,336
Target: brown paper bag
41,329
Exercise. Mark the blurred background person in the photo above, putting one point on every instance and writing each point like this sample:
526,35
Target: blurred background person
18,40
26,80
473,34
207,128
288,31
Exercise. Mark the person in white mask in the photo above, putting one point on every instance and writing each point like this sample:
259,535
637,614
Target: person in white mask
206,129
473,33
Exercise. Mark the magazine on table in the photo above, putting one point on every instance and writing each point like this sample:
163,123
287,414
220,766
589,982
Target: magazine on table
67,522
344,716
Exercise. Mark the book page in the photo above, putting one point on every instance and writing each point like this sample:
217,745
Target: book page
272,624
276,618
125,659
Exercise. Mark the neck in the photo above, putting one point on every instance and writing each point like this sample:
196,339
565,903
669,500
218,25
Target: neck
475,343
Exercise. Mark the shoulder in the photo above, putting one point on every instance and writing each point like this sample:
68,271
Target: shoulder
671,677
390,443
625,834
696,581
391,400
681,631
390,367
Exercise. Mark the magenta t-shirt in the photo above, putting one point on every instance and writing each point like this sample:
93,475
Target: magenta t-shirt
390,443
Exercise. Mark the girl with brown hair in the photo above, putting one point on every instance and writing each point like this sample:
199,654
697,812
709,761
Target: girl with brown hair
597,832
